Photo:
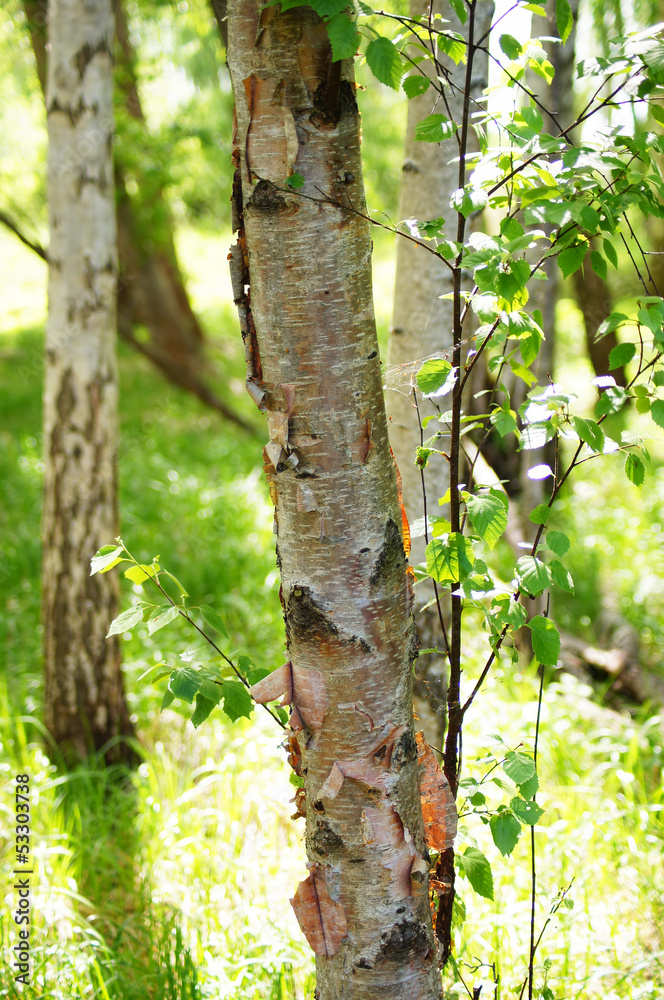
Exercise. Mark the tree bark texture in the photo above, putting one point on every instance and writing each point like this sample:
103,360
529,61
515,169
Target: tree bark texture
302,281
84,699
422,326
151,290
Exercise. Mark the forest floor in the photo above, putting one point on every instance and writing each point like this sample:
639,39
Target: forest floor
173,883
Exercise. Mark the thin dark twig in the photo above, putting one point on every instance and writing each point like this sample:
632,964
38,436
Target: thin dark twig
36,247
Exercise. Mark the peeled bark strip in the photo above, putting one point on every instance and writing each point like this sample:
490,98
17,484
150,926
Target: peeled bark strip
309,329
85,705
422,326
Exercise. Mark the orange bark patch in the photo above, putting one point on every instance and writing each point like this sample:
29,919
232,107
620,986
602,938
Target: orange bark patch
404,519
272,143
438,806
322,921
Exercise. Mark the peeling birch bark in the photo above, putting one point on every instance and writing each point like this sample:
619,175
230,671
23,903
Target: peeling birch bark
422,326
309,330
84,698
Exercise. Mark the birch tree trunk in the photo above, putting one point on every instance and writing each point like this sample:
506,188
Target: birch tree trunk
309,329
422,326
84,698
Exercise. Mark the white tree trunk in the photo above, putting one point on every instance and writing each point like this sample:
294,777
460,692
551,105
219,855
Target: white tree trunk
85,703
422,326
311,345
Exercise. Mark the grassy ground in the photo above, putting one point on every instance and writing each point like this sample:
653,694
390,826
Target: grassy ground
173,884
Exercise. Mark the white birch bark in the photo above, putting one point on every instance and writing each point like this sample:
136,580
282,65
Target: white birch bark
313,361
85,705
422,324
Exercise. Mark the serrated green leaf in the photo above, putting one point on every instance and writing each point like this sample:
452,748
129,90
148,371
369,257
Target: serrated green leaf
449,558
611,401
384,60
488,517
140,573
610,252
126,621
590,432
203,708
295,181
344,38
564,19
546,640
167,700
529,788
540,514
477,870
598,264
237,700
621,356
505,830
107,557
213,619
415,85
435,128
504,420
519,767
529,813
561,577
459,8
162,616
469,200
436,377
635,470
532,575
657,412
510,46
185,682
558,542
570,260
211,690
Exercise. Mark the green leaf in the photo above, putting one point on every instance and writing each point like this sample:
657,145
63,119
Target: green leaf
598,264
510,46
560,576
505,830
612,399
532,575
477,870
345,39
203,708
528,812
488,516
449,558
469,200
185,682
558,542
519,767
435,128
540,514
504,420
295,181
167,700
621,355
657,412
126,621
530,787
546,640
508,612
635,470
237,700
459,8
416,85
610,252
108,556
452,44
590,432
657,112
140,573
161,616
434,377
211,690
384,61
570,260
213,619
564,19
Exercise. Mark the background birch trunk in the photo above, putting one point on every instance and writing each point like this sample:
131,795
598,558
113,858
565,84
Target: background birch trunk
309,330
84,698
422,326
